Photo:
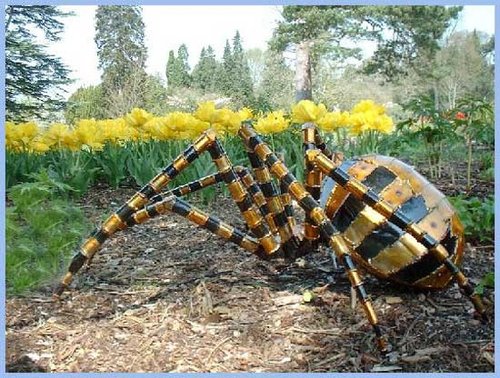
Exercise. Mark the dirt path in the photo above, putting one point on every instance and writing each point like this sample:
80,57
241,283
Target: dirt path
168,297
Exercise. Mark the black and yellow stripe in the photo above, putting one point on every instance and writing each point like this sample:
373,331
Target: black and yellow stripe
249,211
286,200
403,218
204,220
118,220
289,242
278,215
313,178
257,196
318,141
192,186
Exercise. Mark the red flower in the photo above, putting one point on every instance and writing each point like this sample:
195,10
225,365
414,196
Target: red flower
460,116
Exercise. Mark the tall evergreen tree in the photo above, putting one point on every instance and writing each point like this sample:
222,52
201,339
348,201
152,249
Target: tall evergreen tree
225,69
178,68
234,74
198,70
183,66
241,79
206,70
170,71
33,77
121,52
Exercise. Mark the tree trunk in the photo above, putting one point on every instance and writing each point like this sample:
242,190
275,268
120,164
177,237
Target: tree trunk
436,96
303,87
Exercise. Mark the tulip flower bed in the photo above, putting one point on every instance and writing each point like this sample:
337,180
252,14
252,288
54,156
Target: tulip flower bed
139,144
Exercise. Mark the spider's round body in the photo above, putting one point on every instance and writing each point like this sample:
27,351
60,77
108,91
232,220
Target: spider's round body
382,248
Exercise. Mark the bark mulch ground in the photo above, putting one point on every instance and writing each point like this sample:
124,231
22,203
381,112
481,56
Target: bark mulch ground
169,297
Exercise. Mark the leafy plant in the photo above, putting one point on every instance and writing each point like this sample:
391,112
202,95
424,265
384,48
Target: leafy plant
18,166
474,118
41,229
488,280
434,127
477,216
110,163
74,168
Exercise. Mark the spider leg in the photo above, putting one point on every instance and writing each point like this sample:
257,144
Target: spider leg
317,215
193,186
285,197
248,208
280,215
257,196
174,204
289,243
286,200
397,217
312,182
118,220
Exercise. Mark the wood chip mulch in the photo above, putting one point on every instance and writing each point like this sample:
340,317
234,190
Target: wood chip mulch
168,297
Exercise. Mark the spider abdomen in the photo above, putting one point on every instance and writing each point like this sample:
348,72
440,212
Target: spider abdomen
382,248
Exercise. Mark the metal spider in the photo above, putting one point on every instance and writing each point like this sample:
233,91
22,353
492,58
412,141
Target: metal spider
374,211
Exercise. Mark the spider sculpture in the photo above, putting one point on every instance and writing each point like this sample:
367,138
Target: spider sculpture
374,211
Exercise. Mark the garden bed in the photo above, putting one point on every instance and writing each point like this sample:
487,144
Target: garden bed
167,296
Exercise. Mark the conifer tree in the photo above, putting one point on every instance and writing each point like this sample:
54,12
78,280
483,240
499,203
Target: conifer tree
122,55
206,70
33,77
178,68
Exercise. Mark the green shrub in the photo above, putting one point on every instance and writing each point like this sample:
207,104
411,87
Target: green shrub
477,216
42,227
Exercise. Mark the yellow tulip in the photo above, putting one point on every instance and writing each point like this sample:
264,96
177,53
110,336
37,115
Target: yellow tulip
274,122
307,111
12,136
157,127
245,114
38,147
227,121
55,134
206,111
88,133
359,122
26,132
368,106
137,117
333,120
384,124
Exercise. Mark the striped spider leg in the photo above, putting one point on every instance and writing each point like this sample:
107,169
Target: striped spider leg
319,219
174,204
122,217
278,209
118,221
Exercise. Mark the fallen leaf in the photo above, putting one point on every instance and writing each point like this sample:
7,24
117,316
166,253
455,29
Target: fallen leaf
415,359
308,296
430,351
393,300
383,369
489,357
